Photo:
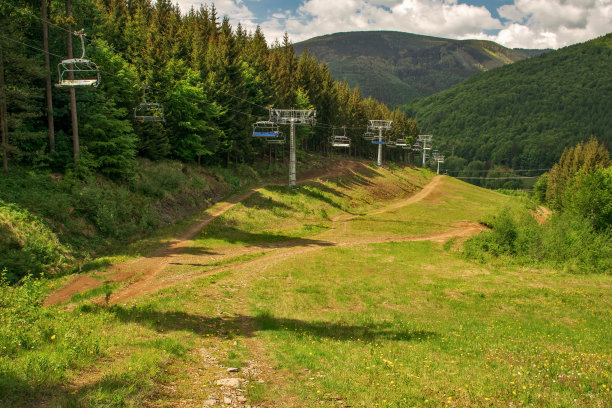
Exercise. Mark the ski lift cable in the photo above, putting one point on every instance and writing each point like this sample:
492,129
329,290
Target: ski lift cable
116,75
120,52
319,124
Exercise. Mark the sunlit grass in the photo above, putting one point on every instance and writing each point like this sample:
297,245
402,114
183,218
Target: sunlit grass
396,324
405,324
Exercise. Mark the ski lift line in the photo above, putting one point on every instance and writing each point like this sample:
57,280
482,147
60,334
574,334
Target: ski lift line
29,46
123,53
318,124
158,89
116,75
35,16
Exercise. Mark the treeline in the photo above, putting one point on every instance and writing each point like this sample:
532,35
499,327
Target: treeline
523,115
577,236
213,80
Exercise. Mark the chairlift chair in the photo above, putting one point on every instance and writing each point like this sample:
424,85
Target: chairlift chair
340,141
416,148
148,111
265,129
78,72
391,144
401,143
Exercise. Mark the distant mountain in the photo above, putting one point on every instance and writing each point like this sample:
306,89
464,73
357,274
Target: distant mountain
396,68
523,115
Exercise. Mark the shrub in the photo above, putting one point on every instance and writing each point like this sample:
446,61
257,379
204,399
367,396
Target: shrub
27,244
566,241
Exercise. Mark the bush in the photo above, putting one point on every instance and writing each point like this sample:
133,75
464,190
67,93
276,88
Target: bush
27,244
590,196
566,241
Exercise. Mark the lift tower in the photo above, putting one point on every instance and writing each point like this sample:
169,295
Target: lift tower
380,125
425,141
293,117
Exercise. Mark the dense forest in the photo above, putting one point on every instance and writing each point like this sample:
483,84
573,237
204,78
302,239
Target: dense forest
522,116
213,81
73,190
396,67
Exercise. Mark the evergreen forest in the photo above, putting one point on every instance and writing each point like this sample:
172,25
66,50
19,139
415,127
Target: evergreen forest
213,80
523,115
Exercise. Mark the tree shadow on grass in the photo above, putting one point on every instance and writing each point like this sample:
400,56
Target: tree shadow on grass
259,201
233,235
248,326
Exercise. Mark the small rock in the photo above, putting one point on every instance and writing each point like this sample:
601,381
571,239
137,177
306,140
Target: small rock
233,370
230,382
241,399
227,400
210,402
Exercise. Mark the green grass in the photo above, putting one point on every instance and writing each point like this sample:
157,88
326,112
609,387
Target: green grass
275,214
406,324
394,324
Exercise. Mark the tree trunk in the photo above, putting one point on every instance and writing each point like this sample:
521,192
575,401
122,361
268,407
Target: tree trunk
73,107
50,124
3,116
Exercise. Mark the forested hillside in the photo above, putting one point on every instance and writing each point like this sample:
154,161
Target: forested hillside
67,197
523,115
213,80
396,67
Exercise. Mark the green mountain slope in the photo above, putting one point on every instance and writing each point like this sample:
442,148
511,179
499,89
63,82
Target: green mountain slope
396,67
524,115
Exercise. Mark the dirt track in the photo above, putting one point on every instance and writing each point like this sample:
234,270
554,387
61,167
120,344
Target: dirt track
143,273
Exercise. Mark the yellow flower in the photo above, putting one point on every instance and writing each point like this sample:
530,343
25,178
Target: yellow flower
53,337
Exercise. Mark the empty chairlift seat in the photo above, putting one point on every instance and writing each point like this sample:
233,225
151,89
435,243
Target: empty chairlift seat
340,141
265,129
78,72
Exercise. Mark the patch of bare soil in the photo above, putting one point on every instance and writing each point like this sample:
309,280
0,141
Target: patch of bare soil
542,214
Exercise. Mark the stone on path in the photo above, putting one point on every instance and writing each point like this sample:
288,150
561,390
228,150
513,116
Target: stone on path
230,382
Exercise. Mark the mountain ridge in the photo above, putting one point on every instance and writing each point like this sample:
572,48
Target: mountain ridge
396,67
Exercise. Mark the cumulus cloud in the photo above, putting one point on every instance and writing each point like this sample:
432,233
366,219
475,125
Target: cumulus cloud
524,23
553,23
236,10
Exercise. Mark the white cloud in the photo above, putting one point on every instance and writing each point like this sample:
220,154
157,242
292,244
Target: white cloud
236,10
524,24
554,23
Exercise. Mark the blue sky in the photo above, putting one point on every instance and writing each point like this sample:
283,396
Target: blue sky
513,23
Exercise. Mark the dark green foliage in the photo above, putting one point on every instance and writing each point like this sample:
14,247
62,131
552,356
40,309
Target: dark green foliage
523,115
28,245
565,241
578,236
83,216
583,158
589,195
396,67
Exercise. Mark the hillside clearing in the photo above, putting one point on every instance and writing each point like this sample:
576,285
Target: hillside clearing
367,306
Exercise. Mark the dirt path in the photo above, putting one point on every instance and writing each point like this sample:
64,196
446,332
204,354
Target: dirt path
144,273
144,269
